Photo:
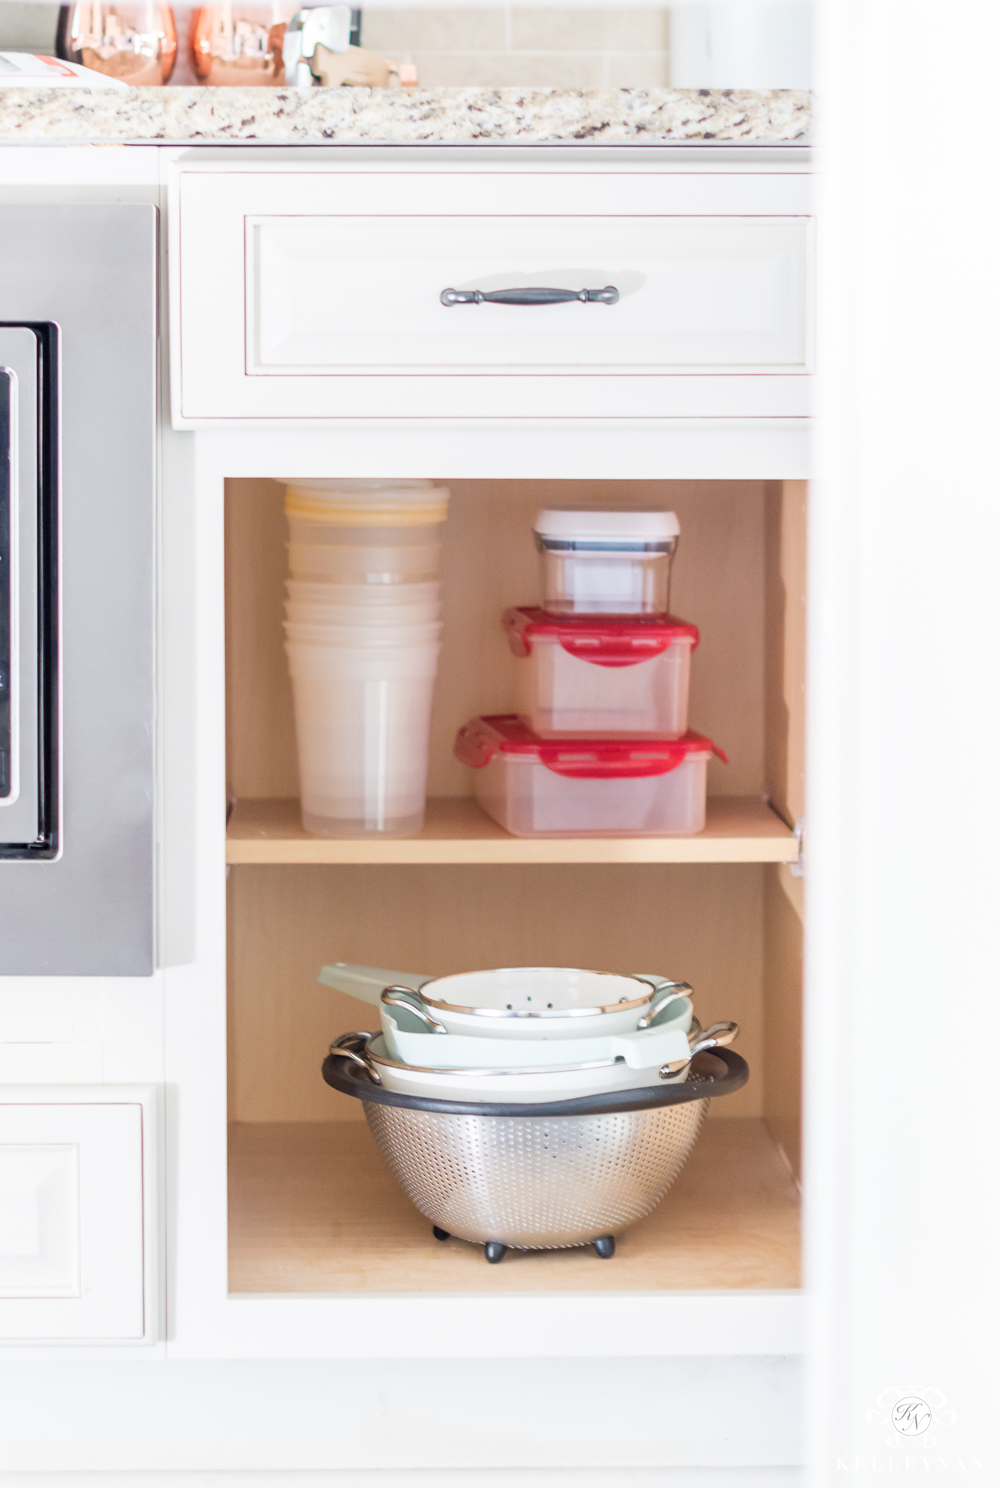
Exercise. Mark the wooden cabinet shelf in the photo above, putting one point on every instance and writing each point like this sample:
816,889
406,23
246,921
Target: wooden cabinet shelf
740,829
313,1208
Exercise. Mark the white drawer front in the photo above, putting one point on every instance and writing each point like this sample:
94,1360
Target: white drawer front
341,295
316,294
75,1236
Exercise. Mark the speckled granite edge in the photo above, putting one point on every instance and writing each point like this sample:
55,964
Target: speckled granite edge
394,116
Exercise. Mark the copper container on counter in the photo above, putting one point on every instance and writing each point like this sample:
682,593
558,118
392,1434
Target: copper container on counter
239,46
135,43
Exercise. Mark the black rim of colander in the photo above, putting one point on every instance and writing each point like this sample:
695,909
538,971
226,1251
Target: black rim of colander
350,1079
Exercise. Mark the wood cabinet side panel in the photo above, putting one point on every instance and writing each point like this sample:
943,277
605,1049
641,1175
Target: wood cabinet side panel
781,1031
785,507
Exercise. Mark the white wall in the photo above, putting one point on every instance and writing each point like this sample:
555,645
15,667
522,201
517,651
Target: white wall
902,877
741,44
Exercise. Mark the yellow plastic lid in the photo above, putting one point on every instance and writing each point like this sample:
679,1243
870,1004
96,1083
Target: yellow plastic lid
367,503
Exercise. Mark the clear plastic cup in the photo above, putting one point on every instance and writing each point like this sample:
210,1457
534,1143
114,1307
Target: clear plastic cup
369,595
362,718
363,681
377,615
338,563
359,503
361,661
312,534
365,532
368,531
364,636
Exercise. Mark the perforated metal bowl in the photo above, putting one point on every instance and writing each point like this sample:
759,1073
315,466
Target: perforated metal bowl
570,1173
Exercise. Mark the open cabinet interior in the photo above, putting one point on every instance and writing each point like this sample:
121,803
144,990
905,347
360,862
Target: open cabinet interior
312,1206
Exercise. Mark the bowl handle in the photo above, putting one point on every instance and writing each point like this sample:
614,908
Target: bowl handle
719,1036
405,997
667,992
354,1046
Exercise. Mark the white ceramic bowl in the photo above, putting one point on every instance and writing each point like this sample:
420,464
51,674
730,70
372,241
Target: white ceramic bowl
537,1002
547,1083
643,1049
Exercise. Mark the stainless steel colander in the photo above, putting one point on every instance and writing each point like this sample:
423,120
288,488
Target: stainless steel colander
533,1182
555,1178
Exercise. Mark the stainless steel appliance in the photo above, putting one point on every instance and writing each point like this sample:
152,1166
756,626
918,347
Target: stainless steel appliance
77,567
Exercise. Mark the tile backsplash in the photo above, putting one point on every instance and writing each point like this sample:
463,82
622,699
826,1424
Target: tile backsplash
505,46
519,47
684,44
27,28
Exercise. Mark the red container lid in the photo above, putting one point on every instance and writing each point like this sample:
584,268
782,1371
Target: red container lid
582,759
604,640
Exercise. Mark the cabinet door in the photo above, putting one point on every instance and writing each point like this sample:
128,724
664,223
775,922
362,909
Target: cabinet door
75,1214
318,294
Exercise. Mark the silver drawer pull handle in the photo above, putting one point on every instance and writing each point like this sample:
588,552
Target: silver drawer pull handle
529,296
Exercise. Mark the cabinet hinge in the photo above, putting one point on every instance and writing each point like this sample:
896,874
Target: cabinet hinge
798,867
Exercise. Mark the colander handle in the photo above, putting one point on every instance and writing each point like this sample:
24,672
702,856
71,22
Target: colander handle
354,1046
719,1036
667,993
405,997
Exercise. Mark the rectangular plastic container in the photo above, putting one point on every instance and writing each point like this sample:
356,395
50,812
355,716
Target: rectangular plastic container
601,676
606,562
586,787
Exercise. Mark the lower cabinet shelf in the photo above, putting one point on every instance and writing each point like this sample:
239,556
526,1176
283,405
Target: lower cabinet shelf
312,1208
739,829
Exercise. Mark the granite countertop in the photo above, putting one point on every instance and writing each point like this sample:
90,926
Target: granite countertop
403,116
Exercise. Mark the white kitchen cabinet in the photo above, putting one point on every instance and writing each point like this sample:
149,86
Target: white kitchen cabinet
313,291
317,1251
78,1224
899,1223
239,1252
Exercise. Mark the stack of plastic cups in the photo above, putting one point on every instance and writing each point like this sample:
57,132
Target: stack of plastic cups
363,632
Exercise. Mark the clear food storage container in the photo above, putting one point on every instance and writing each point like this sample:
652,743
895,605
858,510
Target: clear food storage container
586,787
606,562
603,676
